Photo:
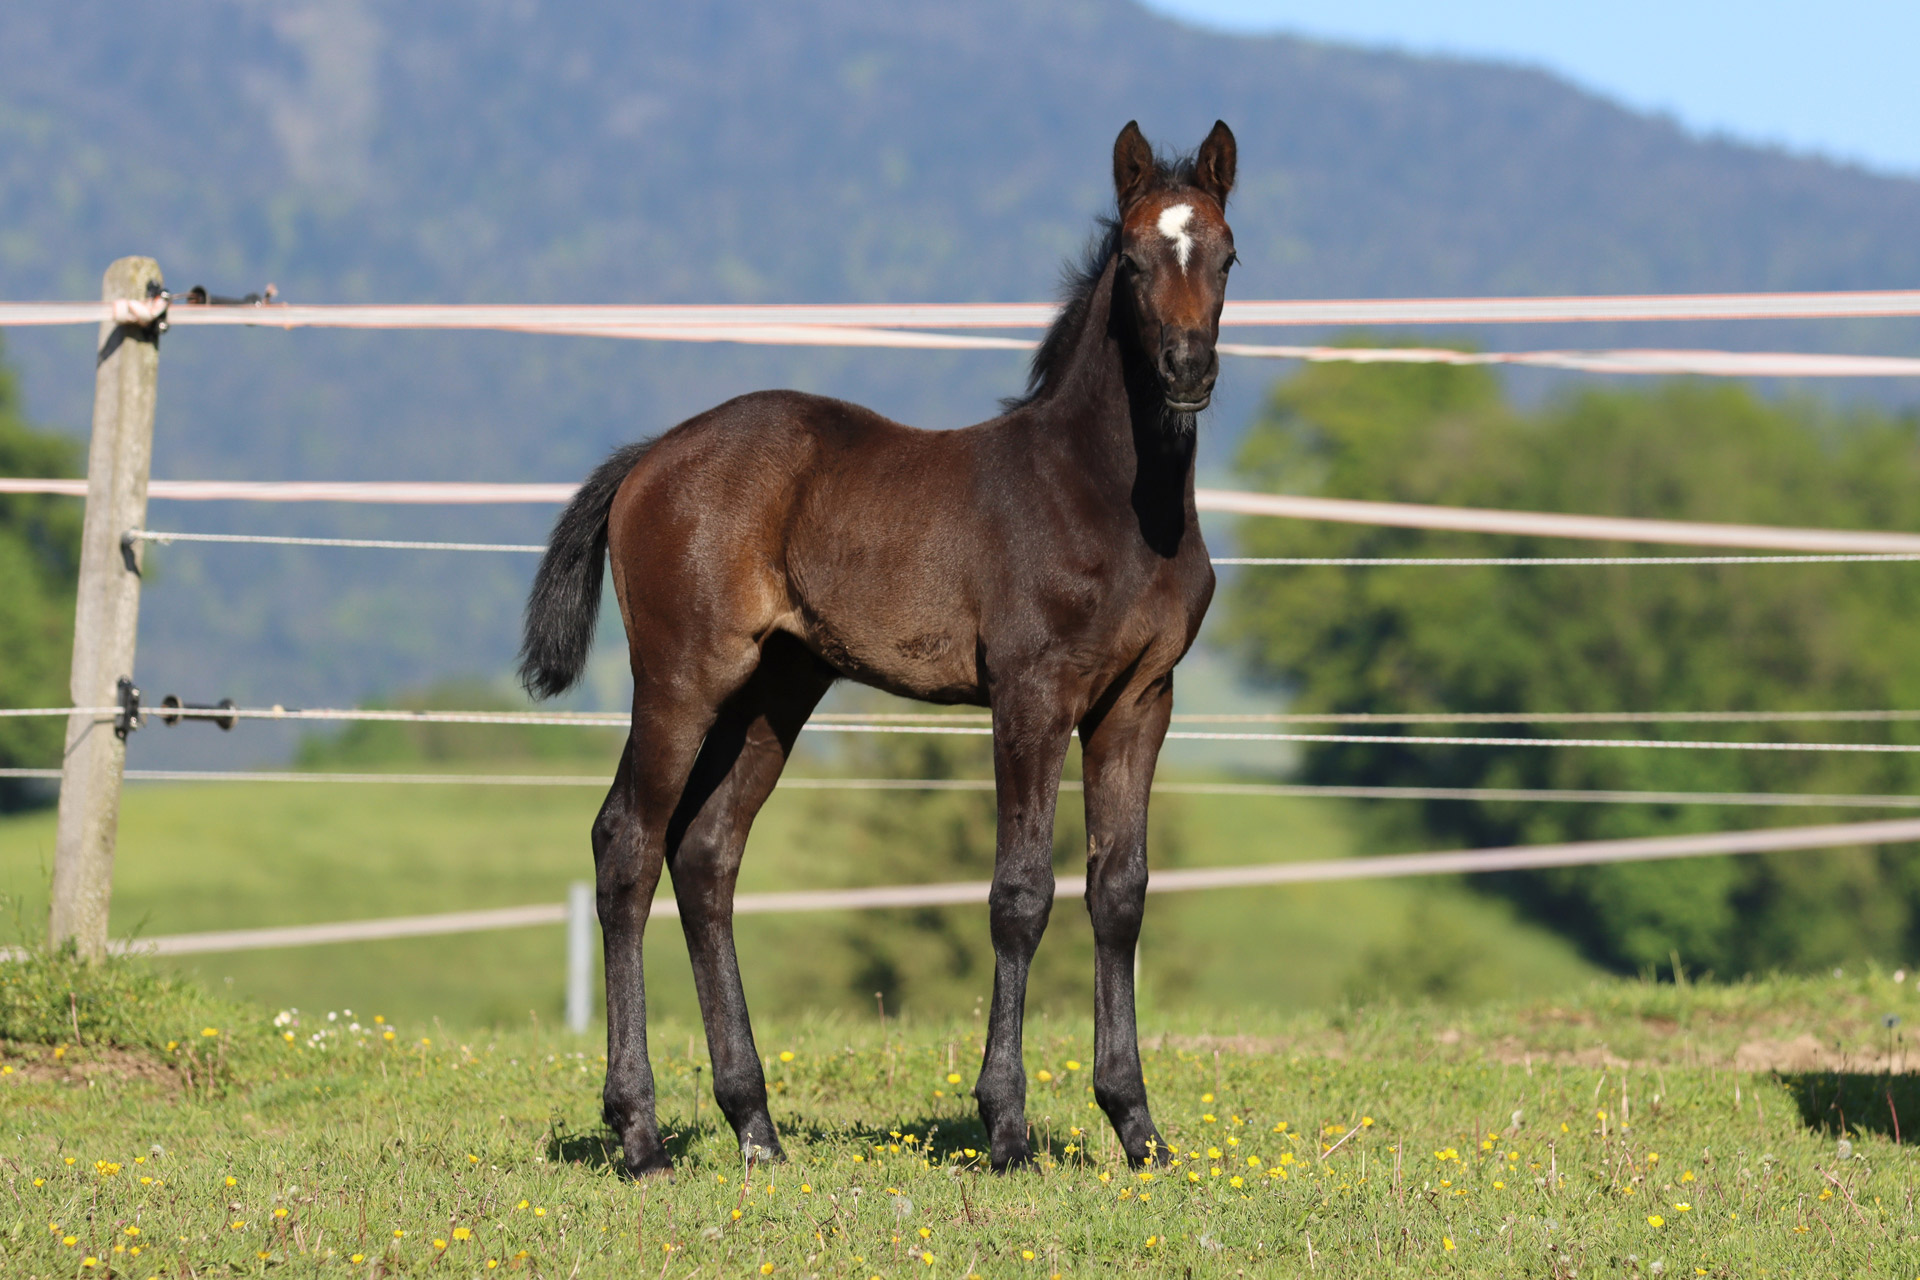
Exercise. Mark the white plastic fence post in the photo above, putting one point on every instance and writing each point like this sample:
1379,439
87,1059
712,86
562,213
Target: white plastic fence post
579,954
106,613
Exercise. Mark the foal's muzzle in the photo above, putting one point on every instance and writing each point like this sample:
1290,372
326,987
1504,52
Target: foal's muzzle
1188,366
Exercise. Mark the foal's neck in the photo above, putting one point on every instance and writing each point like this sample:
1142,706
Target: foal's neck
1108,414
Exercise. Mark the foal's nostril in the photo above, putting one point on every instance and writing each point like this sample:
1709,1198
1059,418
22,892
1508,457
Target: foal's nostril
1187,363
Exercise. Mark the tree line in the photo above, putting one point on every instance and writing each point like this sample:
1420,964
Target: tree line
1621,639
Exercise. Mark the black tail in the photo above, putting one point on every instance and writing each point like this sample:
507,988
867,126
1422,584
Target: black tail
564,605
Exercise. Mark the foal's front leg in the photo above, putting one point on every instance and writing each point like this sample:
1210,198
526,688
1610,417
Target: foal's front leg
1119,751
1029,743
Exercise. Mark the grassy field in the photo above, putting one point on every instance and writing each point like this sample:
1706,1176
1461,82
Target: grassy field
1623,1130
198,857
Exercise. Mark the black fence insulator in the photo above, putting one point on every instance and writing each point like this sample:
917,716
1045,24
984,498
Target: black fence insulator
199,297
171,707
129,718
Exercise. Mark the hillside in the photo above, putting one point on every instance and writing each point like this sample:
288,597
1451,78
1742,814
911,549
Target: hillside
740,152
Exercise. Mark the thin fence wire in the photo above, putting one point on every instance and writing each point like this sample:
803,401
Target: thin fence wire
980,725
1274,790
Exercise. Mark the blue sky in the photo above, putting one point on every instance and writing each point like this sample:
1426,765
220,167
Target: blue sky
1838,77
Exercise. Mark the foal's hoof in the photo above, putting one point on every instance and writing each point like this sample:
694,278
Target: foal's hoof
653,1167
769,1152
1153,1156
1013,1162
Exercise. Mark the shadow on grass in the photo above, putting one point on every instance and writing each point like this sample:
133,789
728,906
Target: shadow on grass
599,1150
1841,1102
945,1139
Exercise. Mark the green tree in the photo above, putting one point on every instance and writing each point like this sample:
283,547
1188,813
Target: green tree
1816,637
39,563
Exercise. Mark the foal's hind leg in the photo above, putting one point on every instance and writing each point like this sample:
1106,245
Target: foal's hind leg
1119,751
629,842
736,772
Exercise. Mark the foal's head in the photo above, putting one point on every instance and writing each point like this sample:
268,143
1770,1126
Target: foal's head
1175,250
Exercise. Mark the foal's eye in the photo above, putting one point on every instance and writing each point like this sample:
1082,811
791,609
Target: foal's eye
1127,262
1232,260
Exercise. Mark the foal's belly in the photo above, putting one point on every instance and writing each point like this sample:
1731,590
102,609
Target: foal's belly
915,652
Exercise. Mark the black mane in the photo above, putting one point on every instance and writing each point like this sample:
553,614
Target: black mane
1079,279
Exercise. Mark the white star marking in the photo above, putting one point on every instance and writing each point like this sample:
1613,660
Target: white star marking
1173,225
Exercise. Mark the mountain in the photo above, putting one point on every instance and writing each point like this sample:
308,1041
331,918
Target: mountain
818,150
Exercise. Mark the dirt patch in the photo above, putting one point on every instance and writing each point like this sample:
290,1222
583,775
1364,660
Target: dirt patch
84,1066
1515,1053
1805,1053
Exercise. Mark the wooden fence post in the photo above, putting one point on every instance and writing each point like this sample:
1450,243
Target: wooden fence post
106,613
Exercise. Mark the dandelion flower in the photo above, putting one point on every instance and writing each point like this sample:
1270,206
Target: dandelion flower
1072,1064
462,1233
1043,1075
766,1268
539,1211
1446,1242
953,1077
1655,1220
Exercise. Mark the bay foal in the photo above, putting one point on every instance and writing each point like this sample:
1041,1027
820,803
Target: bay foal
1046,564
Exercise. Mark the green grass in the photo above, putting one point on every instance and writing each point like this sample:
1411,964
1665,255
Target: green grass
1543,1138
200,857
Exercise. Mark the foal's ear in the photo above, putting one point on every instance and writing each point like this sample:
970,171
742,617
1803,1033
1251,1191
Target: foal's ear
1219,156
1132,164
